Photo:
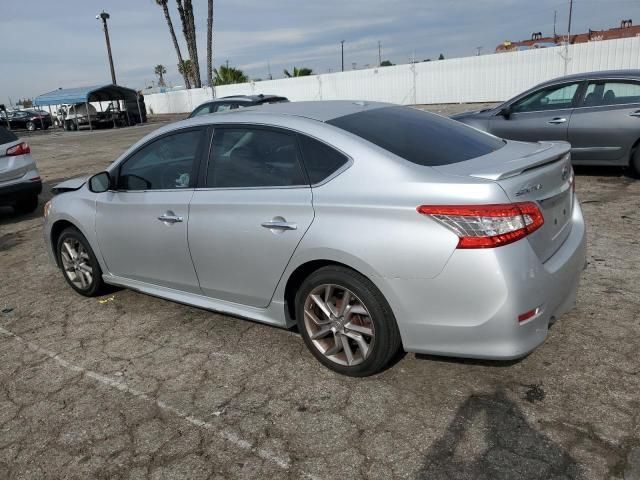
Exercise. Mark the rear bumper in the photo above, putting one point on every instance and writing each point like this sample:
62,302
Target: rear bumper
471,309
15,191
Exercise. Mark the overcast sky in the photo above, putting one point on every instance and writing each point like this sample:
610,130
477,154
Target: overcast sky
47,44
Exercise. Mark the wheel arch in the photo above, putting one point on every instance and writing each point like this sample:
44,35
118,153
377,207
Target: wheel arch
299,274
57,228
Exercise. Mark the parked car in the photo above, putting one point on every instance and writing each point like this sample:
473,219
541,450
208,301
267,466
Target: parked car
26,119
20,182
597,112
233,102
74,116
371,226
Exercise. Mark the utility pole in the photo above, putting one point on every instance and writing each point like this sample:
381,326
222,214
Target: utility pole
555,17
342,53
479,49
104,16
570,12
379,53
269,70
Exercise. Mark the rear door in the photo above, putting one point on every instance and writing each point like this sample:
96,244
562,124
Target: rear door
606,124
541,115
253,209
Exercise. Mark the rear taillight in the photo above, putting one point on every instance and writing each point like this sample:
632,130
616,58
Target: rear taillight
20,149
487,226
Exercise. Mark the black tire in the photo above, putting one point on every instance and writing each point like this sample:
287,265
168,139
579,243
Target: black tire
27,204
31,126
96,287
46,127
384,345
634,163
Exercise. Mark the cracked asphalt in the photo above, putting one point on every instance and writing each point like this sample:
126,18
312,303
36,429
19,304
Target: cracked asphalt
134,387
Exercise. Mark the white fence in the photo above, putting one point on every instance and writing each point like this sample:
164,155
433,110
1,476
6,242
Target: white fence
486,78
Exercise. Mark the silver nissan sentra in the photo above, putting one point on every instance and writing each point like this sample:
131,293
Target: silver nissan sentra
372,227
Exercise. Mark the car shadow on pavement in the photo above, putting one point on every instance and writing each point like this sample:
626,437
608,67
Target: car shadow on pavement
490,438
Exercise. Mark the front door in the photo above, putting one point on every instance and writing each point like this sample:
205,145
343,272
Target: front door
254,209
142,225
541,115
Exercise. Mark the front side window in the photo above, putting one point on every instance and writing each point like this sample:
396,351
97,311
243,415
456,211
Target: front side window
550,98
165,164
246,157
611,93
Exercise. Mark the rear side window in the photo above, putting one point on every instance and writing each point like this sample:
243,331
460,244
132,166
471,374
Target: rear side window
320,160
246,157
7,136
611,93
417,136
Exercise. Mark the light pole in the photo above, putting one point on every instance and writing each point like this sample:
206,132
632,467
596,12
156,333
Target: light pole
104,16
342,53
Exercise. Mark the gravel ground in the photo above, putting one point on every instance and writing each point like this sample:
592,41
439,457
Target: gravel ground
131,386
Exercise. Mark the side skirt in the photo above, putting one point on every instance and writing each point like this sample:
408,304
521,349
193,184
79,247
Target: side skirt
274,314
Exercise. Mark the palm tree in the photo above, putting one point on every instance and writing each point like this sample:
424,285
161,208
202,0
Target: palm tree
167,16
160,70
210,43
186,69
226,75
298,72
185,9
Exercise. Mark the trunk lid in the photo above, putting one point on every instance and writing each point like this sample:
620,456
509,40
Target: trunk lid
537,172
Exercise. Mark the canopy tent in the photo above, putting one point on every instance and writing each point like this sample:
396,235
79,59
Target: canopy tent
96,93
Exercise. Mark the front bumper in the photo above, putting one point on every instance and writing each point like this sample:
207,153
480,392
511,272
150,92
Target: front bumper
471,309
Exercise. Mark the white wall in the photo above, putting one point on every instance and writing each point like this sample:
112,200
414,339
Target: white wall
487,78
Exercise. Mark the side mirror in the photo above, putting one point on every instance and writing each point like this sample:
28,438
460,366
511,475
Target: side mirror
506,112
100,182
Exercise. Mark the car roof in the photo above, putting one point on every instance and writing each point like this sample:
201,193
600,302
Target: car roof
596,75
321,110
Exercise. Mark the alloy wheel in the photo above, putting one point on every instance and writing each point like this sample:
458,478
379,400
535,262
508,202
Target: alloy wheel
339,324
76,263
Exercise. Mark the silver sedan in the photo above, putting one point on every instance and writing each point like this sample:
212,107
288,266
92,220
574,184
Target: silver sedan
374,228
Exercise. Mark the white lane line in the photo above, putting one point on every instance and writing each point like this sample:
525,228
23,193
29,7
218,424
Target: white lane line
229,436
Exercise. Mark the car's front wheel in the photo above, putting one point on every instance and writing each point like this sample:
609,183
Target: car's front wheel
79,265
346,322
635,162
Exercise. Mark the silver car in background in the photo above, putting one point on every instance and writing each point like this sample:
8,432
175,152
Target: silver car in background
20,182
598,113
371,226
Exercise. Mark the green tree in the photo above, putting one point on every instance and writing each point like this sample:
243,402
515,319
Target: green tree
386,63
160,70
226,75
441,57
186,68
167,16
298,72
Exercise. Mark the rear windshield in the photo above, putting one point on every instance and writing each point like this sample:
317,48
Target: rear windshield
418,136
7,136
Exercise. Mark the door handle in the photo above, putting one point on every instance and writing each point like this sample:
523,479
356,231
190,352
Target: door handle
170,218
279,225
635,114
557,120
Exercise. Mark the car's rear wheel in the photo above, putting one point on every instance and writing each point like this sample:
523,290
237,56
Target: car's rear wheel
346,322
31,126
27,204
79,265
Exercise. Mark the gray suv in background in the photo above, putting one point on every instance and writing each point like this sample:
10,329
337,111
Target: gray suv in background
598,113
20,182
